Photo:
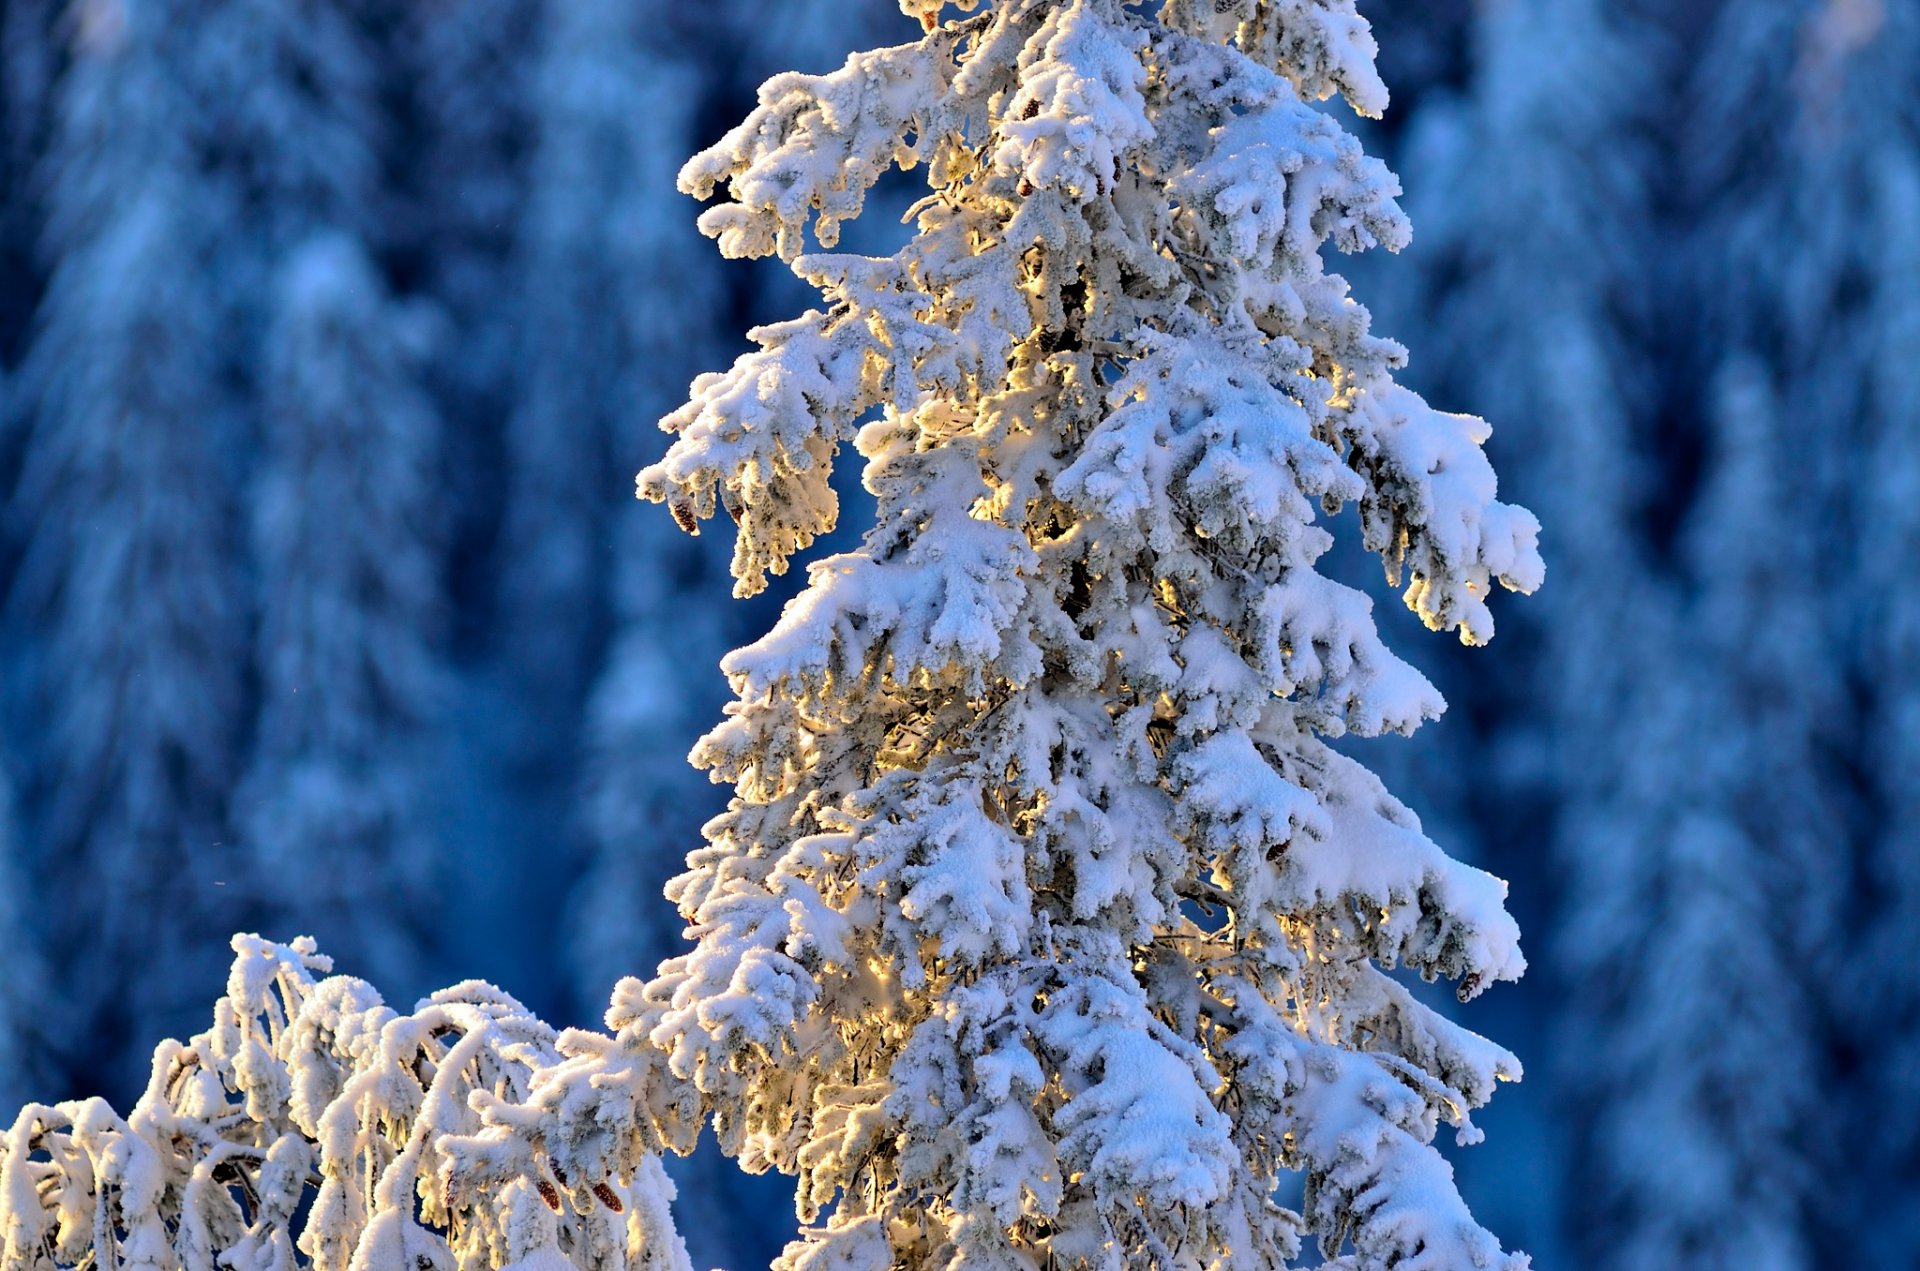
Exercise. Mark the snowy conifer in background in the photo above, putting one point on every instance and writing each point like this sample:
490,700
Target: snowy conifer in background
1703,892
1531,281
125,622
623,305
1705,1139
470,65
24,988
467,67
311,1125
1697,1061
30,59
343,456
288,122
1713,410
344,450
1808,136
1529,201
345,535
1890,1022
621,296
620,305
1045,924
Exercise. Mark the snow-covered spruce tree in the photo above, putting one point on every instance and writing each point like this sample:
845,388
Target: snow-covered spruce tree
125,622
311,1125
344,526
1046,927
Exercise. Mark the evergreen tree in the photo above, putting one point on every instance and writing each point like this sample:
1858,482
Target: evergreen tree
126,620
1818,212
620,297
23,986
467,65
344,526
737,50
1045,924
1704,892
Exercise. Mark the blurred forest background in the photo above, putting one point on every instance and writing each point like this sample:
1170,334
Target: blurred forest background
331,335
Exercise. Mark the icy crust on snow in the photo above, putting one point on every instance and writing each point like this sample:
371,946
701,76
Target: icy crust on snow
312,1125
1036,831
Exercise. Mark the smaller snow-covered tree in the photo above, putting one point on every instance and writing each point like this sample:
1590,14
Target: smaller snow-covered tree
332,809
313,1126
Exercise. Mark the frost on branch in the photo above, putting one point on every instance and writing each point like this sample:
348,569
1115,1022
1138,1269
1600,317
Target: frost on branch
1046,927
312,1125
